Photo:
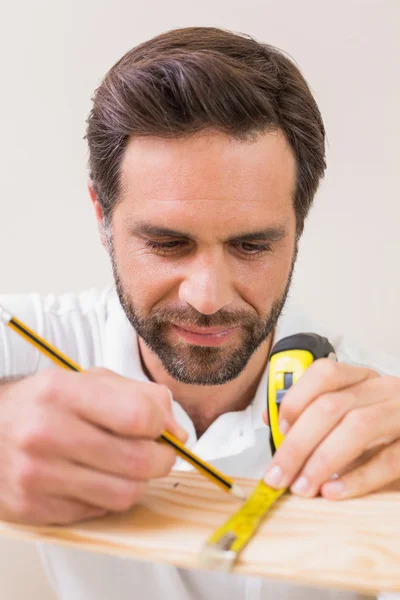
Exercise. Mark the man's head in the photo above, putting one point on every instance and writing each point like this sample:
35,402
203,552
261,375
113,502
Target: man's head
206,149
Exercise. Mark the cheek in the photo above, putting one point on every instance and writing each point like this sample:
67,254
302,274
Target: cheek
145,280
264,283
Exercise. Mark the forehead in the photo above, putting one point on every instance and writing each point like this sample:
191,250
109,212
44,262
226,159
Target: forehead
208,177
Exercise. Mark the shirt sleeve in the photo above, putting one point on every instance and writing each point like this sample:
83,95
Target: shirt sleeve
72,323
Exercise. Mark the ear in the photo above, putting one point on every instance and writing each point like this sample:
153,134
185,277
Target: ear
99,214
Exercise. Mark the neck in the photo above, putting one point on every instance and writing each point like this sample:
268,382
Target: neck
204,404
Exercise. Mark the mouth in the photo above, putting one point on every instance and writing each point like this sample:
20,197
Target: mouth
204,336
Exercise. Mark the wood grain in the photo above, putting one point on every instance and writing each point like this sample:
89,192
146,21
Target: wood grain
352,544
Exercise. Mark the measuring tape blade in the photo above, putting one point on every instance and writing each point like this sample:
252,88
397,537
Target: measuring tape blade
289,359
224,545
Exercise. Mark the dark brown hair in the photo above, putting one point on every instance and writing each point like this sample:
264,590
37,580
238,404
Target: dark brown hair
188,80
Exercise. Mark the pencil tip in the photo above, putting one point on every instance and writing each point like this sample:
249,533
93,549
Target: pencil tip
238,492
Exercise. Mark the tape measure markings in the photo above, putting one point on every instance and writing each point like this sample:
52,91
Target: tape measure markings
224,545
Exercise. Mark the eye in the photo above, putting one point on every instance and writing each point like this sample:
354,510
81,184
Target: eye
252,249
164,247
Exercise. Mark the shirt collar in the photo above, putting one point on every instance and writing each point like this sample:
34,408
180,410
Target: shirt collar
230,433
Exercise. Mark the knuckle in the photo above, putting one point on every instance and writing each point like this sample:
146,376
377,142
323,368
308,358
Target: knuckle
289,408
33,435
327,369
145,419
360,423
48,385
329,404
145,460
138,418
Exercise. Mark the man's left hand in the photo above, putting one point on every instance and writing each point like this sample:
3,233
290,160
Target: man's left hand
342,433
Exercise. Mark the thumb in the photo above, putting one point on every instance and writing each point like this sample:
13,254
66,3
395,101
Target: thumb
171,425
265,417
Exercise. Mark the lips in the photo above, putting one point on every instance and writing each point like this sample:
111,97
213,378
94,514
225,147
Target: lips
204,336
204,330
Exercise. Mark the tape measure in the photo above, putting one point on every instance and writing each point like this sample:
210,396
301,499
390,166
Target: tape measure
290,357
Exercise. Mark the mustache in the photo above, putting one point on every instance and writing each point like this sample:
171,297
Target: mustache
190,316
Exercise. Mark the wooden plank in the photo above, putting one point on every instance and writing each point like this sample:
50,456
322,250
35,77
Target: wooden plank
352,544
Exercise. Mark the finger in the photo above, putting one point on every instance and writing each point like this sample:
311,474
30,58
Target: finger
315,423
165,398
124,457
382,470
48,510
365,457
155,394
347,442
113,402
176,430
99,489
63,511
68,437
122,406
321,377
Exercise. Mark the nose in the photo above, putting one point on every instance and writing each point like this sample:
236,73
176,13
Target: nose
207,287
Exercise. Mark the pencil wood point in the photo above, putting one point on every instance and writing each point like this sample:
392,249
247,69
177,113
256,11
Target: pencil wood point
238,492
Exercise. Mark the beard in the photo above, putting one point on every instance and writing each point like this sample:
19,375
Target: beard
200,365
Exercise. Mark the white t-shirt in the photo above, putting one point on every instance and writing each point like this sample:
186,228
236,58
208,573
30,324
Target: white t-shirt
91,328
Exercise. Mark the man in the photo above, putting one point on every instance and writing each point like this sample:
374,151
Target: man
206,150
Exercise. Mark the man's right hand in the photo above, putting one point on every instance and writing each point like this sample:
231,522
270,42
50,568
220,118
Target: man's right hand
75,446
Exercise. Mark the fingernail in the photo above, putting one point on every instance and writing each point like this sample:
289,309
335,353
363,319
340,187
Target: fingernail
274,477
175,429
284,426
333,489
301,486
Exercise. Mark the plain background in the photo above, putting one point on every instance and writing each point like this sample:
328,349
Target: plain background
53,55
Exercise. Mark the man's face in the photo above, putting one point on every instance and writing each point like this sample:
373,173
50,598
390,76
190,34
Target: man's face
203,247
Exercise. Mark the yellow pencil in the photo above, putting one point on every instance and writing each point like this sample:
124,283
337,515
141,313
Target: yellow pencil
63,361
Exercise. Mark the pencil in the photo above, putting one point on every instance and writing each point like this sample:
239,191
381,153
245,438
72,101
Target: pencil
225,482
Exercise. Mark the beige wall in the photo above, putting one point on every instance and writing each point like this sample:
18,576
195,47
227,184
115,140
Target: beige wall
53,54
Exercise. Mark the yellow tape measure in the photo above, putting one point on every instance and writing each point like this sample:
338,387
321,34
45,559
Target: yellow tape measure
223,547
289,359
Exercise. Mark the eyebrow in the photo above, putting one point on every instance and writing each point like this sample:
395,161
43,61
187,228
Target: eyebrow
271,234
